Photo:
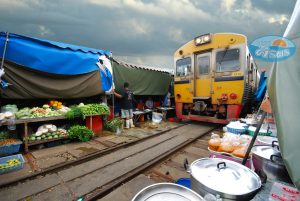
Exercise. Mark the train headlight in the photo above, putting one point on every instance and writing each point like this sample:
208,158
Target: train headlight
203,39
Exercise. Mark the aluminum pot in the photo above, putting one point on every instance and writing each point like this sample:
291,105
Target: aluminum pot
166,191
268,163
224,178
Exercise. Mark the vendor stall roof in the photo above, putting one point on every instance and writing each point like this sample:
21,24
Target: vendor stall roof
50,56
158,69
143,80
38,68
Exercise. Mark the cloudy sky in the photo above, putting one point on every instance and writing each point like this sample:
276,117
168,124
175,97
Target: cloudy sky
144,32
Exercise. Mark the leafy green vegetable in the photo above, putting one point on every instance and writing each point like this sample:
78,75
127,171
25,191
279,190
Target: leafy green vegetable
80,132
114,124
92,109
75,112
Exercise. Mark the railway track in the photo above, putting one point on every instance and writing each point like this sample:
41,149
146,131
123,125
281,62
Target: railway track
167,169
88,157
94,176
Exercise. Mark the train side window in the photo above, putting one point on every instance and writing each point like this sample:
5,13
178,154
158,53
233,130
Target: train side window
203,65
228,60
183,67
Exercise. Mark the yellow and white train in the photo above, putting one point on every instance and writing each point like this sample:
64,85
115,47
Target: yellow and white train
215,78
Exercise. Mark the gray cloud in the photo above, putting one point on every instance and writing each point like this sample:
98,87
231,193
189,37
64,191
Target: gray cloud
142,31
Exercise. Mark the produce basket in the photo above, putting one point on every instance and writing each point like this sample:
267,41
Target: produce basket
9,149
11,168
261,132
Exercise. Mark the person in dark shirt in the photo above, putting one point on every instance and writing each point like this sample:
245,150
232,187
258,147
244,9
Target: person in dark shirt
127,100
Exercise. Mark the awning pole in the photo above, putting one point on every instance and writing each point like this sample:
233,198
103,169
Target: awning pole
113,96
4,51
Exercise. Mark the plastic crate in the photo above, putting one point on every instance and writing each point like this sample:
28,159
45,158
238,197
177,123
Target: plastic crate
13,168
10,149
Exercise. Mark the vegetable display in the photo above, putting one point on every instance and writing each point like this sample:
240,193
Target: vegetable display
6,116
9,141
10,163
114,124
75,112
55,104
47,132
81,133
91,109
36,112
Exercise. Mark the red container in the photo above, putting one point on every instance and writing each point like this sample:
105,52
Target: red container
142,118
110,116
171,119
95,124
156,104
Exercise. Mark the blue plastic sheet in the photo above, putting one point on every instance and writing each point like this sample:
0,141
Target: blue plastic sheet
50,56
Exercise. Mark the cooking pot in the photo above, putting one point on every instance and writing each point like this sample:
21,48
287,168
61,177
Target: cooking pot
224,178
166,191
268,163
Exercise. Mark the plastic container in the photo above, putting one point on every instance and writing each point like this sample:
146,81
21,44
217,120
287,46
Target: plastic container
9,149
237,127
261,132
186,182
13,168
156,117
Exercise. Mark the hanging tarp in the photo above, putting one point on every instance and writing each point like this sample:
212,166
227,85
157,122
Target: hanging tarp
284,91
50,56
27,83
143,81
38,68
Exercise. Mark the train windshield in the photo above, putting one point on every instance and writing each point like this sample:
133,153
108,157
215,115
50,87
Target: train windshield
228,60
183,67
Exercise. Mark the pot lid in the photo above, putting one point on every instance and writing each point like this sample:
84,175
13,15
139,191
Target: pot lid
166,191
225,176
268,152
266,139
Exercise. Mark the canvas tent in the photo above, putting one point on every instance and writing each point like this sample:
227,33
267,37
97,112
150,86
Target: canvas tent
143,80
284,91
38,68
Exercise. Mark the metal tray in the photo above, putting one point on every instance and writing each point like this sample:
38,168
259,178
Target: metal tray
166,192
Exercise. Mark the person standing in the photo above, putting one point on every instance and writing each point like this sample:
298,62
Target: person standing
127,100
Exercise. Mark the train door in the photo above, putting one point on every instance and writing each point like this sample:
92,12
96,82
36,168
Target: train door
203,76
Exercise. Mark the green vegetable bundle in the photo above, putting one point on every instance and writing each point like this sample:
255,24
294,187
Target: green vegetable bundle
75,112
92,109
114,124
80,132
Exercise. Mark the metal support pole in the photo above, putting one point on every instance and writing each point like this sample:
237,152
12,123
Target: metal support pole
254,138
4,50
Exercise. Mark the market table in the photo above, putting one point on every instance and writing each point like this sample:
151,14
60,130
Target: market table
138,113
166,111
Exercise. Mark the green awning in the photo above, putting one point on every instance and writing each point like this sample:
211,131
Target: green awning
142,81
284,91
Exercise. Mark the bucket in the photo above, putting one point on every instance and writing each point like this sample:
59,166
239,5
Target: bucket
142,118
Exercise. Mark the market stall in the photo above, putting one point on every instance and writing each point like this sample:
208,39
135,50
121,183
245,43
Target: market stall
36,69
